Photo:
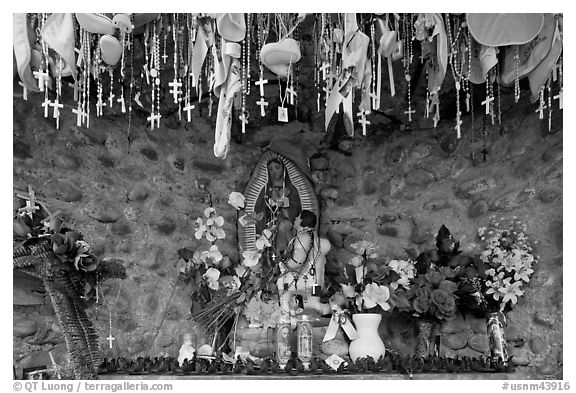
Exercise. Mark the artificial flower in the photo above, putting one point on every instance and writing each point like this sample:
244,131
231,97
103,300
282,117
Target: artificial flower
200,228
375,294
211,257
405,269
263,240
444,301
237,200
231,283
211,276
348,290
250,258
212,217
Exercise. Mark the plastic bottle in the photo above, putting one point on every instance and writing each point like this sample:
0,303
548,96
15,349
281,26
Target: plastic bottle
304,339
283,348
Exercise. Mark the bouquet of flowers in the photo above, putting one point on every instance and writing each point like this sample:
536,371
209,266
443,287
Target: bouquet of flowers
385,286
223,289
432,295
508,257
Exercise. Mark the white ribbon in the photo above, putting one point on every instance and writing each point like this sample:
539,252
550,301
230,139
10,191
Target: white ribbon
340,318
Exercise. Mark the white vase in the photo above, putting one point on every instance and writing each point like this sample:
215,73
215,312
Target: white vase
368,341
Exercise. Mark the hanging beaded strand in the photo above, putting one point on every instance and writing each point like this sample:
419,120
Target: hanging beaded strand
407,61
56,104
492,80
294,79
244,80
549,88
87,65
157,79
517,70
373,95
120,100
131,90
499,94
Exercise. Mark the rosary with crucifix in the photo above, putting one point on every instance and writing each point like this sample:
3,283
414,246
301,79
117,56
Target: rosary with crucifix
110,338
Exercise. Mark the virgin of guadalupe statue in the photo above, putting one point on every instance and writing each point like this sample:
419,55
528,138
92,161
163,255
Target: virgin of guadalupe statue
279,189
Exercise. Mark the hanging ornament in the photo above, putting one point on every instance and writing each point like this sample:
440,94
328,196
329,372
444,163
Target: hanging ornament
541,105
517,70
549,88
408,60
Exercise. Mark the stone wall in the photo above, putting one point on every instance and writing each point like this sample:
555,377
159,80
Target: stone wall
138,202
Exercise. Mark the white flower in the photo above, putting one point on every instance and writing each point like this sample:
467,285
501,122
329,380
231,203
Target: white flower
212,217
200,229
250,258
211,276
237,200
375,294
348,290
212,256
263,240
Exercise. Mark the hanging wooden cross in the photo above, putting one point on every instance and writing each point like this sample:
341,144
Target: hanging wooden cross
262,103
291,93
175,91
260,83
458,124
110,338
560,98
122,103
244,119
363,121
46,104
79,115
111,98
409,113
42,77
484,153
164,57
24,91
77,89
487,102
540,109
99,105
153,118
56,104
188,109
30,207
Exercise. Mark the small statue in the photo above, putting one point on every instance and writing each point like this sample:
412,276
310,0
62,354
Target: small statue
187,351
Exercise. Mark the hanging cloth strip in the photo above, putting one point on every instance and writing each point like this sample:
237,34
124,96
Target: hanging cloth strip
531,54
540,74
224,117
58,33
23,50
200,51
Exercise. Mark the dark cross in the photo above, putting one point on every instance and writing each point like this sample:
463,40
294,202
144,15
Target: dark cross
484,153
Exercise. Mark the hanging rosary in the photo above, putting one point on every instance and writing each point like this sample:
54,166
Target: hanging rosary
263,27
408,60
111,338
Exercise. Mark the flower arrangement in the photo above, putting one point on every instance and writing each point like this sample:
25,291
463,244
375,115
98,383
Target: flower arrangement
509,257
432,295
224,289
383,286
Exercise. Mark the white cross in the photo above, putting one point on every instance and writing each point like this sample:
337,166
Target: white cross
188,108
151,119
24,91
79,115
540,110
42,77
30,206
56,105
262,104
261,82
99,105
409,113
292,93
111,99
244,119
77,89
457,127
123,103
555,72
487,102
363,121
164,57
560,98
46,104
175,89
110,338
